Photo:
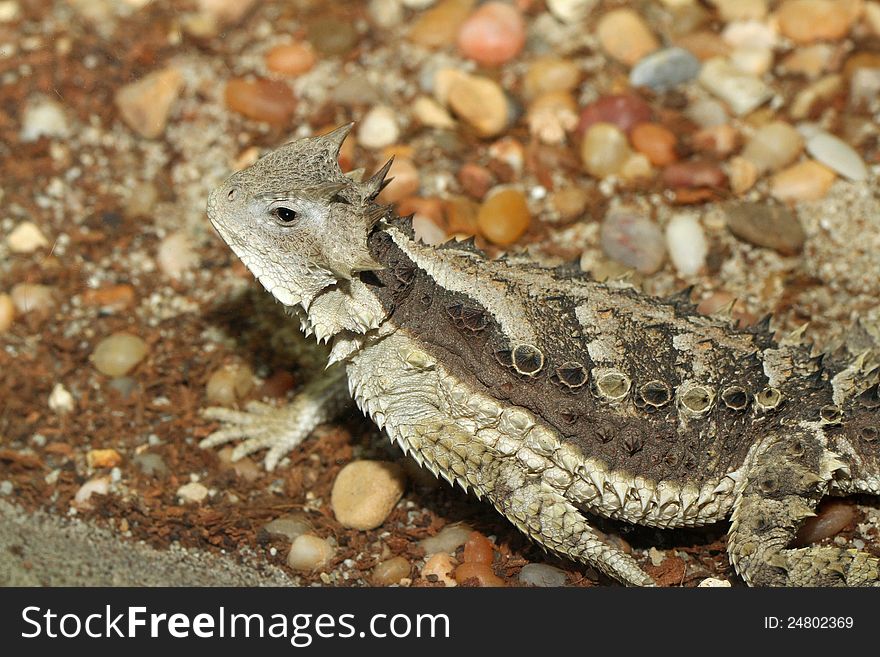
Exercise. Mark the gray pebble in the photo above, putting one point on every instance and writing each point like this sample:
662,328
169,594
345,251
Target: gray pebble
540,574
665,69
766,224
151,465
288,527
6,487
633,240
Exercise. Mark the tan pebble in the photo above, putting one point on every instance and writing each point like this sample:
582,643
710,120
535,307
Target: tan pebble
118,354
289,527
483,573
704,45
103,458
475,180
742,174
570,202
365,492
176,255
810,61
510,152
229,384
550,73
773,146
737,10
717,139
872,17
438,27
26,238
656,142
271,101
806,21
604,150
694,174
427,231
743,92
429,112
7,312
243,467
193,493
447,540
818,93
504,216
552,115
461,215
146,104
443,81
96,485
636,167
33,297
713,582
494,34
440,566
831,518
481,103
291,58
390,571
478,549
378,128
405,181
625,36
804,181
309,552
756,61
110,297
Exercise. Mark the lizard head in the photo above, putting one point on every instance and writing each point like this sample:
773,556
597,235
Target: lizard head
296,221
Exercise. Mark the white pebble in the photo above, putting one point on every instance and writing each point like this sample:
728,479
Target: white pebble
99,485
686,243
713,582
43,118
570,11
378,128
431,113
117,354
60,399
386,13
26,238
6,487
836,154
427,231
176,255
32,297
193,492
309,552
447,539
741,91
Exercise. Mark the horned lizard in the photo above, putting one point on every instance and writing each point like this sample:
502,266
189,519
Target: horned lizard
544,391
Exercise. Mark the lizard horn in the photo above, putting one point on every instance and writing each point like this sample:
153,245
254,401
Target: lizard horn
337,136
377,182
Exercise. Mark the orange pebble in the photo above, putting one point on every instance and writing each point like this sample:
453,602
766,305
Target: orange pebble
504,217
478,549
290,58
654,141
271,101
479,571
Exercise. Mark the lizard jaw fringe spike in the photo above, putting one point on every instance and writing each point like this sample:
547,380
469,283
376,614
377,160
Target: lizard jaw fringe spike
544,391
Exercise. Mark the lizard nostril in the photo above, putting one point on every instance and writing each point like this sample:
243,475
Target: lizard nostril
232,194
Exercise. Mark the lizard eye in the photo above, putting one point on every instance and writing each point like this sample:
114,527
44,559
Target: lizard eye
232,194
284,216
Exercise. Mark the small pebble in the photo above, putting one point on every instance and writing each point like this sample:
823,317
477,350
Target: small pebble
694,174
6,487
551,116
475,180
510,152
719,140
43,117
494,34
438,26
773,146
110,297
151,464
707,113
570,202
33,298
837,155
504,216
742,174
365,492
289,527
604,150
145,105
332,36
176,255
665,69
478,549
816,95
378,128
124,386
656,556
309,552
26,237
625,36
805,181
714,582
447,540
806,21
704,44
831,518
481,103
243,467
570,11
271,101
622,110
754,61
550,73
386,13
483,573
633,240
291,58
97,485
687,244
656,142
427,231
440,566
405,181
103,458
750,34
60,400
193,492
543,575
733,10
810,61
431,113
118,354
7,312
741,91
766,224
390,571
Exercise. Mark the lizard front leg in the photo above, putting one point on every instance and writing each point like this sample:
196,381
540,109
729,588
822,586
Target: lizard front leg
281,429
782,485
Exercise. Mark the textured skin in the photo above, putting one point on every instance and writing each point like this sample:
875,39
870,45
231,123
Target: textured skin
547,393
